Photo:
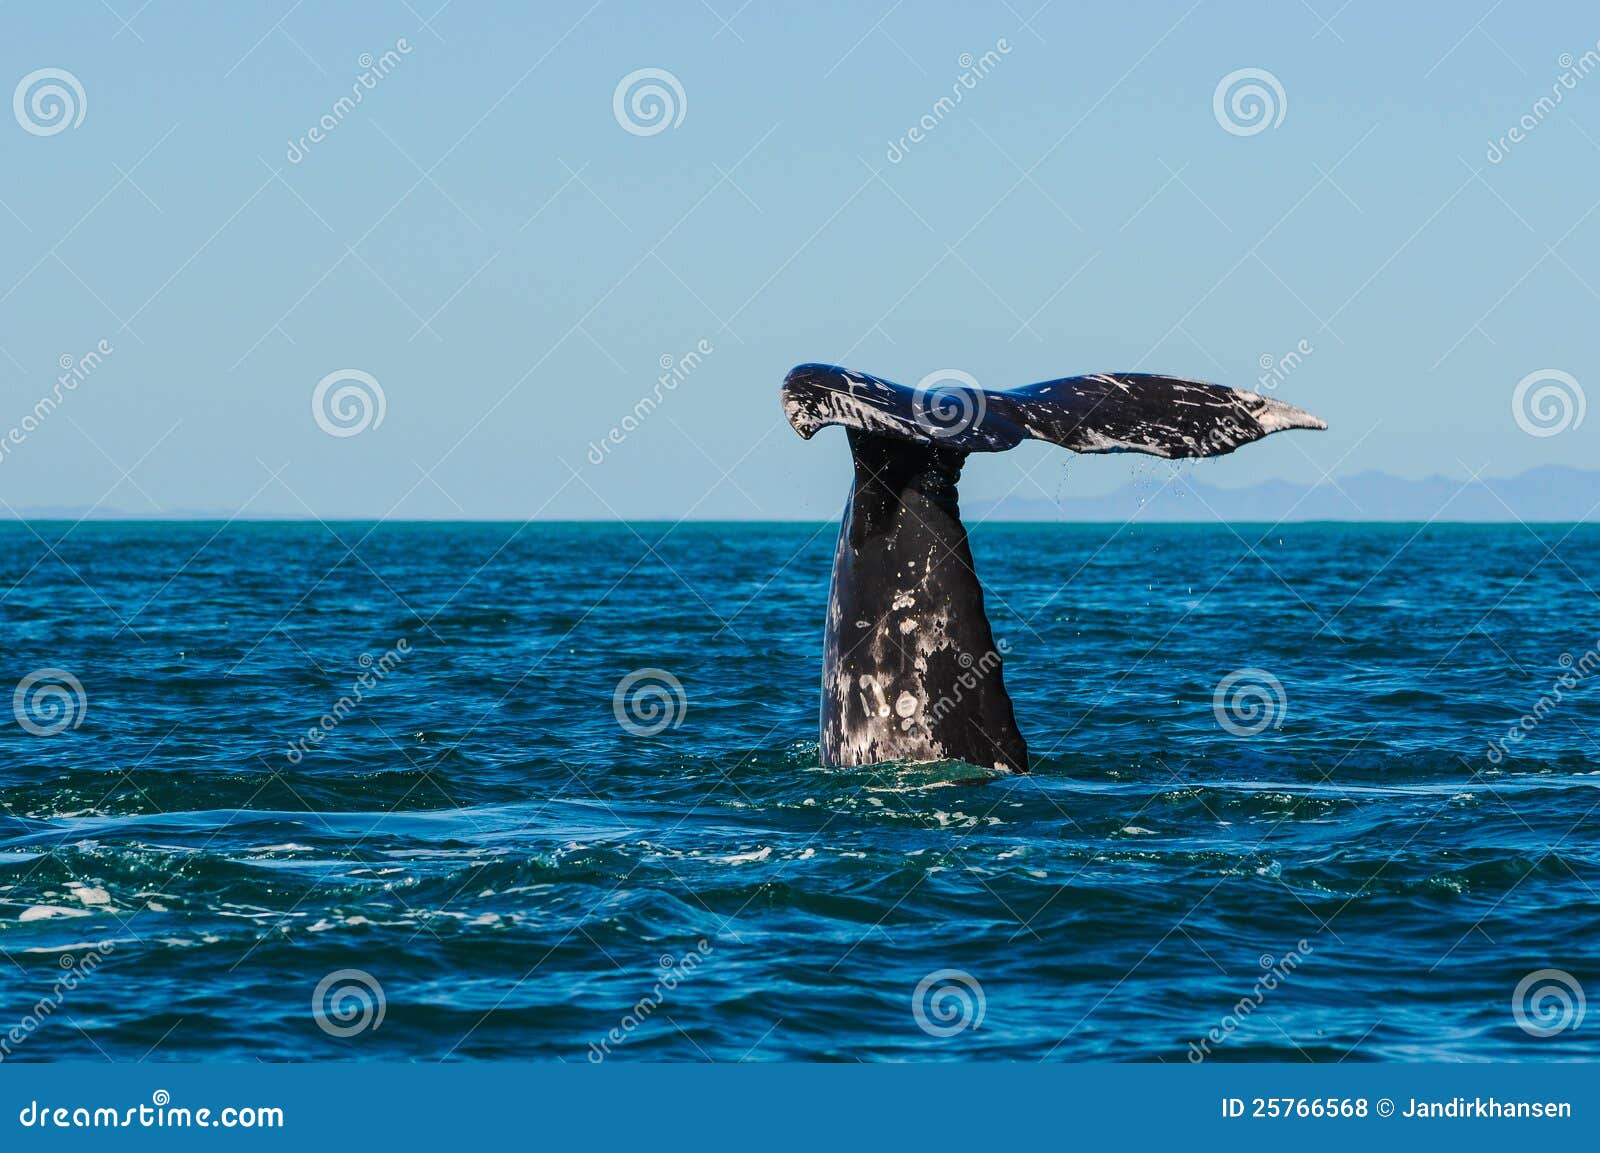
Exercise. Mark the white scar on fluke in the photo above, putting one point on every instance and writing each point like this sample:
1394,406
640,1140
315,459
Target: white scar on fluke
911,671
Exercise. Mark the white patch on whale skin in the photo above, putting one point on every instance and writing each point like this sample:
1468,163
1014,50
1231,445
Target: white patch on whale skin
1274,415
807,415
1088,440
874,700
1171,417
1103,378
887,719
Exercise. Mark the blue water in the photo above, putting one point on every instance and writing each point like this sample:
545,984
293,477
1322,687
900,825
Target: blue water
482,839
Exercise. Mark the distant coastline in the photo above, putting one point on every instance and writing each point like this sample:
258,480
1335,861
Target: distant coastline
1549,494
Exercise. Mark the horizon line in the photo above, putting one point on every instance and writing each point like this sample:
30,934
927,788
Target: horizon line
157,518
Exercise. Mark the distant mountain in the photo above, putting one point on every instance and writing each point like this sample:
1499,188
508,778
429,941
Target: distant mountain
102,512
1549,493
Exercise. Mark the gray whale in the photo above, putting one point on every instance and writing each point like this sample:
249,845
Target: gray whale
911,670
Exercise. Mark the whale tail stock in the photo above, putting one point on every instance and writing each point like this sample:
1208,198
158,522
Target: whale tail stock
911,669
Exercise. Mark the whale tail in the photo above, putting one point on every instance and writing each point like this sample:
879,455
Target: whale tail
1165,416
911,669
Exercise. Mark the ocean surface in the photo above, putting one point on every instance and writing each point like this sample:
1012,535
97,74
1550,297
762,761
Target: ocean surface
370,792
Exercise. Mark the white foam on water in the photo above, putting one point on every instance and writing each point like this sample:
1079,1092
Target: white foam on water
45,912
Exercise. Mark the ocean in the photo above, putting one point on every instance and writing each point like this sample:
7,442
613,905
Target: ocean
398,791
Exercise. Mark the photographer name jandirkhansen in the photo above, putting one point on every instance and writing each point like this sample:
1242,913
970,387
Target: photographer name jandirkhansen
1469,1107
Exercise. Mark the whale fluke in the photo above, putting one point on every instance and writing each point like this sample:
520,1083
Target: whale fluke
911,670
1166,416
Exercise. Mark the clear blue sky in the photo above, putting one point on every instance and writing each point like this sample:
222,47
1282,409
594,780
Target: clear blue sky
482,236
